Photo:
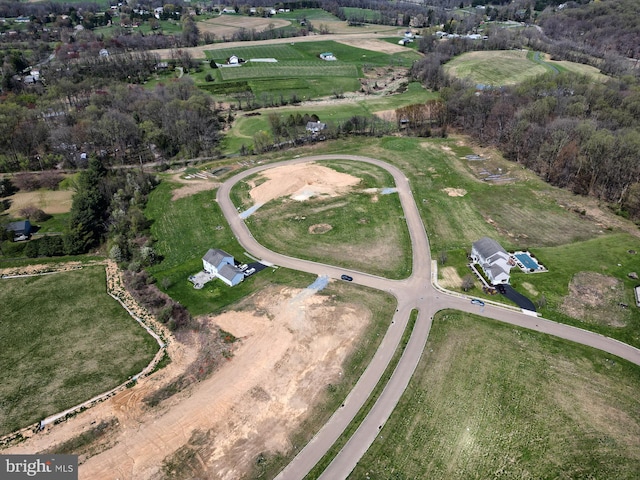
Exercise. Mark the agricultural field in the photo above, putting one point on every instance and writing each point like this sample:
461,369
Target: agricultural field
361,228
55,354
493,400
299,69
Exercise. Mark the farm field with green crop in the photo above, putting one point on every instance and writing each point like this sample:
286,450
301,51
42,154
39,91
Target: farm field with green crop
490,399
63,341
298,68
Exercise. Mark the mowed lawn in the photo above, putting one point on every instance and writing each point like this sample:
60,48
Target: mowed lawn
501,67
493,401
186,229
63,340
367,230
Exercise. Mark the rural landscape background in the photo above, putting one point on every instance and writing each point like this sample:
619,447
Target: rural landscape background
119,122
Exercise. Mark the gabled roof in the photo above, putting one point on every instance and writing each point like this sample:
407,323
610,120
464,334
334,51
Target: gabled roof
229,271
317,126
20,226
488,247
215,256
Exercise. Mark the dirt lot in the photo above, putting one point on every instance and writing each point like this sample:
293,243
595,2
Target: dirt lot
191,186
301,182
226,25
593,296
292,345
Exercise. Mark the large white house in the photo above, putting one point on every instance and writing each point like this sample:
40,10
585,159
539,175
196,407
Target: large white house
221,265
494,260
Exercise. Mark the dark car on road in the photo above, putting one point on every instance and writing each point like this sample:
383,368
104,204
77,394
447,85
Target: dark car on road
346,278
475,301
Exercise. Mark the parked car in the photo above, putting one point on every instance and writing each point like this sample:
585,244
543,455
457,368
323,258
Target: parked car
346,278
249,272
243,267
475,301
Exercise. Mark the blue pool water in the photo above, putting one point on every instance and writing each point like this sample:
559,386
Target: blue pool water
527,261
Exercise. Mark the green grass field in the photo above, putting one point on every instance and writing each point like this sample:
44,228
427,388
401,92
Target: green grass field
63,341
503,67
493,401
368,232
510,67
523,214
186,229
299,69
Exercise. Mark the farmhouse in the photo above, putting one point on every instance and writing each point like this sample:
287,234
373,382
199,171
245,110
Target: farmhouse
328,56
315,127
493,259
21,230
221,265
233,60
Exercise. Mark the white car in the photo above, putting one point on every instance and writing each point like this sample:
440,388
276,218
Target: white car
249,272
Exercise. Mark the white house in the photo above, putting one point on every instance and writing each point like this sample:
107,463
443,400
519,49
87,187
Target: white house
330,57
221,264
234,60
315,127
493,259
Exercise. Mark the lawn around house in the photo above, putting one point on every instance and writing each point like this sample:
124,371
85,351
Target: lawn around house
490,400
63,341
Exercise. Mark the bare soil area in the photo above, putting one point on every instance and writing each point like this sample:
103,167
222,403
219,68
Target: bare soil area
374,45
191,186
226,25
49,201
593,296
319,228
301,182
292,345
455,192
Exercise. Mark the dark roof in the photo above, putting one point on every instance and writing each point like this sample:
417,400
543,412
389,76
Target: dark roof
215,256
488,247
316,126
22,226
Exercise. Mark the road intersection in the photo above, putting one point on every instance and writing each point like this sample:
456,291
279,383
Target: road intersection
417,292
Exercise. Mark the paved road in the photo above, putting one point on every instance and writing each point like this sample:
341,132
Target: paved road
416,292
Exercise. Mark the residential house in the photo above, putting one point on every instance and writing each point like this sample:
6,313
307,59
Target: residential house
233,60
494,260
222,265
328,56
21,230
315,127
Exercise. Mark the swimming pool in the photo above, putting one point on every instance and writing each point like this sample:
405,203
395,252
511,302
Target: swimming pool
527,261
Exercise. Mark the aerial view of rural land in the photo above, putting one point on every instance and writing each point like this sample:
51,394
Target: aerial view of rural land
320,239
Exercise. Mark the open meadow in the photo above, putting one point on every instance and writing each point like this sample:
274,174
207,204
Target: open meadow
509,67
63,341
489,400
569,234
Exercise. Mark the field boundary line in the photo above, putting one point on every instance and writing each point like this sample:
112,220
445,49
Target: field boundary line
116,290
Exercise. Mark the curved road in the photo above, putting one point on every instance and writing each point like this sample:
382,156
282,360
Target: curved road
415,292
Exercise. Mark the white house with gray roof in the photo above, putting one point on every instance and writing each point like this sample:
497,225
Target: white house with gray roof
494,260
221,265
